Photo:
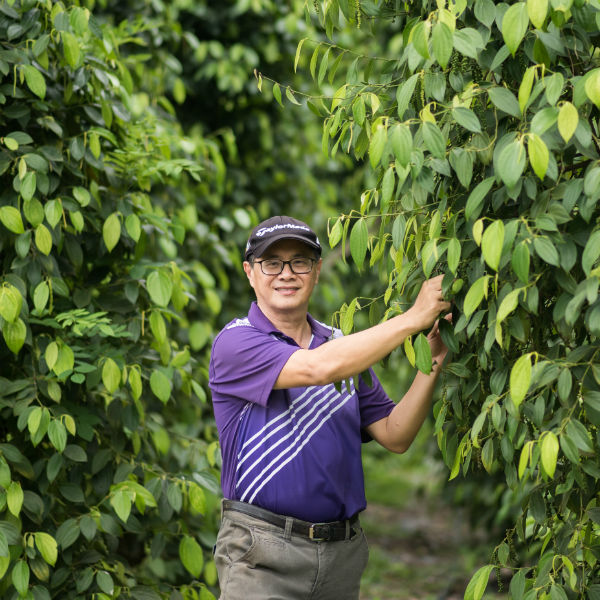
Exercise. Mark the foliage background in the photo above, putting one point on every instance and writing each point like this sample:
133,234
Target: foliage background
135,154
479,121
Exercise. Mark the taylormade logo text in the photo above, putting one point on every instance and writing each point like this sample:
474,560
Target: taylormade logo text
266,230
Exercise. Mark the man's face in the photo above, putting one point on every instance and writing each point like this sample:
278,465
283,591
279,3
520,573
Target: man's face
287,291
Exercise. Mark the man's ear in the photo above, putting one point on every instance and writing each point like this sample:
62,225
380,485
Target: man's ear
248,270
318,268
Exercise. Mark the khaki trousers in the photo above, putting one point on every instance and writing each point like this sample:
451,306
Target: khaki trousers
259,561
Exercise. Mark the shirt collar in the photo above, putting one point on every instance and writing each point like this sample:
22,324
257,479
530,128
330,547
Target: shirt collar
258,319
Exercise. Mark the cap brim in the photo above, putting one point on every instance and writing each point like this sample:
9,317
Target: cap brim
261,248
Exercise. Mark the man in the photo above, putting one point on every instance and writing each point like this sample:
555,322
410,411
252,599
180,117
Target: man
291,444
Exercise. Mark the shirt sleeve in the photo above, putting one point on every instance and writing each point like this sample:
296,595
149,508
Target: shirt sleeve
374,404
245,363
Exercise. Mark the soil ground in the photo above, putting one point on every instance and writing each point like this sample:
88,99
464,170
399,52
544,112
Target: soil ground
421,547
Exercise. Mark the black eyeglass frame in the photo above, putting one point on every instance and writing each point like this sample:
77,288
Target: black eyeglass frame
285,262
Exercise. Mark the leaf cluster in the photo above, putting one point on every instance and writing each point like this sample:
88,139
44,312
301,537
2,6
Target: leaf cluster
480,122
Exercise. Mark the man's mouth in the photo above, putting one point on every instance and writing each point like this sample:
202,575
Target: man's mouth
286,291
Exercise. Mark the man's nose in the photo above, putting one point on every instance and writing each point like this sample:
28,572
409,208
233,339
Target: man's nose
288,266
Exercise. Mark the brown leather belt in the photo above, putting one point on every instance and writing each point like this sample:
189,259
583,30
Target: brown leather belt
333,531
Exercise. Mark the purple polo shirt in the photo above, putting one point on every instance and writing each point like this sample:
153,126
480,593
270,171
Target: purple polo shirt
296,451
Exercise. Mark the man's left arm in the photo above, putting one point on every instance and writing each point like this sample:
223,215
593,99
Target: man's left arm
397,431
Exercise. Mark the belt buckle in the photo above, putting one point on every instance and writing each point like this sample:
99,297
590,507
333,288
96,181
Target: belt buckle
317,538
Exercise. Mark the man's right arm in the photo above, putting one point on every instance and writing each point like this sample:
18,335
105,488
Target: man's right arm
347,356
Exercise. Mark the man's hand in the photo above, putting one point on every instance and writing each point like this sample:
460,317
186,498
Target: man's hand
429,303
437,346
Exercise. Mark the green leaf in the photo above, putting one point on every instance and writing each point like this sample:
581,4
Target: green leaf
520,378
554,86
579,435
543,120
323,67
47,547
5,476
520,261
20,577
14,335
462,162
422,354
277,93
290,96
434,140
525,87
377,145
419,37
298,52
546,250
67,533
478,583
359,237
359,110
11,302
41,295
133,227
468,41
135,382
35,81
105,582
539,155
491,244
475,295
453,254
466,118
537,11
70,48
65,361
335,235
514,25
43,239
160,287
387,186
111,375
174,496
121,502
190,553
160,386
34,211
504,100
402,143
53,211
568,119
111,231
549,452
442,43
28,185
82,196
51,354
511,163
34,420
57,434
14,498
591,252
197,499
404,94
508,304
10,217
476,197
592,87
158,327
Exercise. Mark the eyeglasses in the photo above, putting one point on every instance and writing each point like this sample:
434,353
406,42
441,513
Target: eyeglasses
274,266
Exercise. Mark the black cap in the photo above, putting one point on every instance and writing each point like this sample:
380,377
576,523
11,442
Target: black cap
280,228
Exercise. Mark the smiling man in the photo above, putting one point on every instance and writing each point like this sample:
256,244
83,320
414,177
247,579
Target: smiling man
292,474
